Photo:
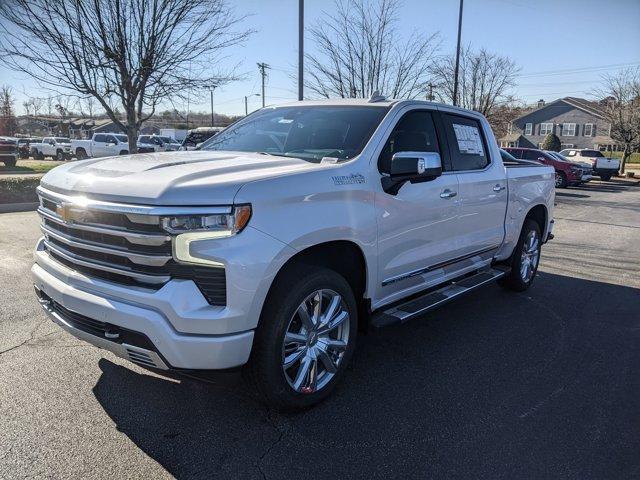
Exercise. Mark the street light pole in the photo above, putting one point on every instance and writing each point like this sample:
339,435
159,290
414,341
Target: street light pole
300,49
212,89
455,73
246,106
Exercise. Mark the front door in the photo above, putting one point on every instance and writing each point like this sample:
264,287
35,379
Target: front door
417,227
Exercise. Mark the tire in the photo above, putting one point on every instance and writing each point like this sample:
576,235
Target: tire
123,152
60,156
561,180
605,177
292,388
38,156
10,163
516,280
81,154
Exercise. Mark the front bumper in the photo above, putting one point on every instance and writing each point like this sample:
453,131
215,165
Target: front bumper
172,349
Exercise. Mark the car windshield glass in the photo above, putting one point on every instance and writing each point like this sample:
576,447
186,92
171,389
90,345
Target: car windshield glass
121,138
62,140
591,153
309,132
167,139
143,139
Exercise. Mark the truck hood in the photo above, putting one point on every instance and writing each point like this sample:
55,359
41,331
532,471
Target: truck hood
170,178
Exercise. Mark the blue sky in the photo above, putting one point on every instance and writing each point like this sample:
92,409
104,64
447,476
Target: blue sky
563,47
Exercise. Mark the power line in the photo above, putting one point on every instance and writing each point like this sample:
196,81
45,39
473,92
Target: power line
578,70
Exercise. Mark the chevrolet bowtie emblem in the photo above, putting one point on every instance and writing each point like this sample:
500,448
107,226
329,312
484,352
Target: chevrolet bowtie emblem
64,212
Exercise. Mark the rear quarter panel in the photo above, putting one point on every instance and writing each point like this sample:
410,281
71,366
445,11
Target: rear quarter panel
528,186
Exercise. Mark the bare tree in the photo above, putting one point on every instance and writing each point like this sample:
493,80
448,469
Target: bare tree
131,53
484,80
358,50
621,109
8,124
36,104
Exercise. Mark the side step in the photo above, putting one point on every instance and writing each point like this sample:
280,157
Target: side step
434,298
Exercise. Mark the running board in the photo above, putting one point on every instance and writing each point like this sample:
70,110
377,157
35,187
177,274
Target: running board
434,298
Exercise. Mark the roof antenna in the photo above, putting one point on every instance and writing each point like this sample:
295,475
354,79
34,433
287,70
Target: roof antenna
376,97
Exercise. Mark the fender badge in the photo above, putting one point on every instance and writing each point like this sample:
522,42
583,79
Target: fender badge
349,179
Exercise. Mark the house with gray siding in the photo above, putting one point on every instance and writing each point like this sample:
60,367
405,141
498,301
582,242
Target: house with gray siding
577,122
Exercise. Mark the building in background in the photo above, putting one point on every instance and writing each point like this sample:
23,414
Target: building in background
577,122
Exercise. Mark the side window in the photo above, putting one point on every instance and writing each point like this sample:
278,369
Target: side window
415,132
466,143
100,138
110,139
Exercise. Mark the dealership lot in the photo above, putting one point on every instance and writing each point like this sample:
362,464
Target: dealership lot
542,384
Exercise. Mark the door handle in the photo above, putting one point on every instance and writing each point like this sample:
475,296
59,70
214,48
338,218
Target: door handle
498,188
448,194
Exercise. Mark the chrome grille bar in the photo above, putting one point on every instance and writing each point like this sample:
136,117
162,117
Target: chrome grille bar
132,237
140,259
91,263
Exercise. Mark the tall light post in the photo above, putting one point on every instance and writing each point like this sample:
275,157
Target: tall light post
246,107
300,49
213,87
455,73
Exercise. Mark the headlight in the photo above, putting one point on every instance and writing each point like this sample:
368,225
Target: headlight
220,224
193,228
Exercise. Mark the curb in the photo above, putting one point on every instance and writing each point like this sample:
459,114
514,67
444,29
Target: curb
18,207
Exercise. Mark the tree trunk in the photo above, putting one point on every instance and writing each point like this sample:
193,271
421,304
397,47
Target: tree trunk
132,130
625,156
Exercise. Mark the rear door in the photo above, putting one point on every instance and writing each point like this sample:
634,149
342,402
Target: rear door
482,187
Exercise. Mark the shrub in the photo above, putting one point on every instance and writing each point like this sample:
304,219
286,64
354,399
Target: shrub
552,142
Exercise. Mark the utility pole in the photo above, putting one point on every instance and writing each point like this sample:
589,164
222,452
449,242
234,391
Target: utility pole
455,73
430,96
212,89
263,67
300,49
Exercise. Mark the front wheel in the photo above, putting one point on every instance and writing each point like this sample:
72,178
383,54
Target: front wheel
305,339
524,259
605,177
60,156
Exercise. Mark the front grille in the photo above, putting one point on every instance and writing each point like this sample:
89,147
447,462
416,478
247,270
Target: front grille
119,246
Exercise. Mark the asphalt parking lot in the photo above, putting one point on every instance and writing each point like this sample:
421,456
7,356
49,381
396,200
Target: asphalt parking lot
544,384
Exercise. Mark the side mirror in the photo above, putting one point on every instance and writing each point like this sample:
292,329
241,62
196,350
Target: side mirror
413,167
541,159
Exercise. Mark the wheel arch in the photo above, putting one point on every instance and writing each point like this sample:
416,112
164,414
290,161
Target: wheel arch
342,256
538,214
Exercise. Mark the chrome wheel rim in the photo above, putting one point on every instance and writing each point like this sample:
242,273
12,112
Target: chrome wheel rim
558,180
530,256
315,341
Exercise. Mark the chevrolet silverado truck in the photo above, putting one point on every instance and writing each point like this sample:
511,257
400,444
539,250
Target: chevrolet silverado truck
285,236
58,148
101,145
603,167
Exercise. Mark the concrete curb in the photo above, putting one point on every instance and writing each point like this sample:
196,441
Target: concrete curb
18,207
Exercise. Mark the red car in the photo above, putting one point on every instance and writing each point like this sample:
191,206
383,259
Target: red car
567,173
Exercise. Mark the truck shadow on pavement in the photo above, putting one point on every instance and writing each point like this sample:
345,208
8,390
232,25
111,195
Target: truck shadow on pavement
536,385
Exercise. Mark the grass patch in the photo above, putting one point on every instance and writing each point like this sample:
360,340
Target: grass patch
29,166
18,190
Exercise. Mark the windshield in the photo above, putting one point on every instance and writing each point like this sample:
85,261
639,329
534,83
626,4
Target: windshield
167,139
143,138
591,153
62,140
310,132
122,138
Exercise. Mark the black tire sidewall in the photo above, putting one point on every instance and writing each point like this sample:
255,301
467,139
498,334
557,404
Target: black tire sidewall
563,181
513,280
265,363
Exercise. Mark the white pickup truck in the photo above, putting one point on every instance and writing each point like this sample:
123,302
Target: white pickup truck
603,167
101,145
58,148
285,236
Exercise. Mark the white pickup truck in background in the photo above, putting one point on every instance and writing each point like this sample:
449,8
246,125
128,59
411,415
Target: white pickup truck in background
101,145
603,167
58,148
287,235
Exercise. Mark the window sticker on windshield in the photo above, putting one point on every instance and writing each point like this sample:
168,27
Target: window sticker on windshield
469,140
